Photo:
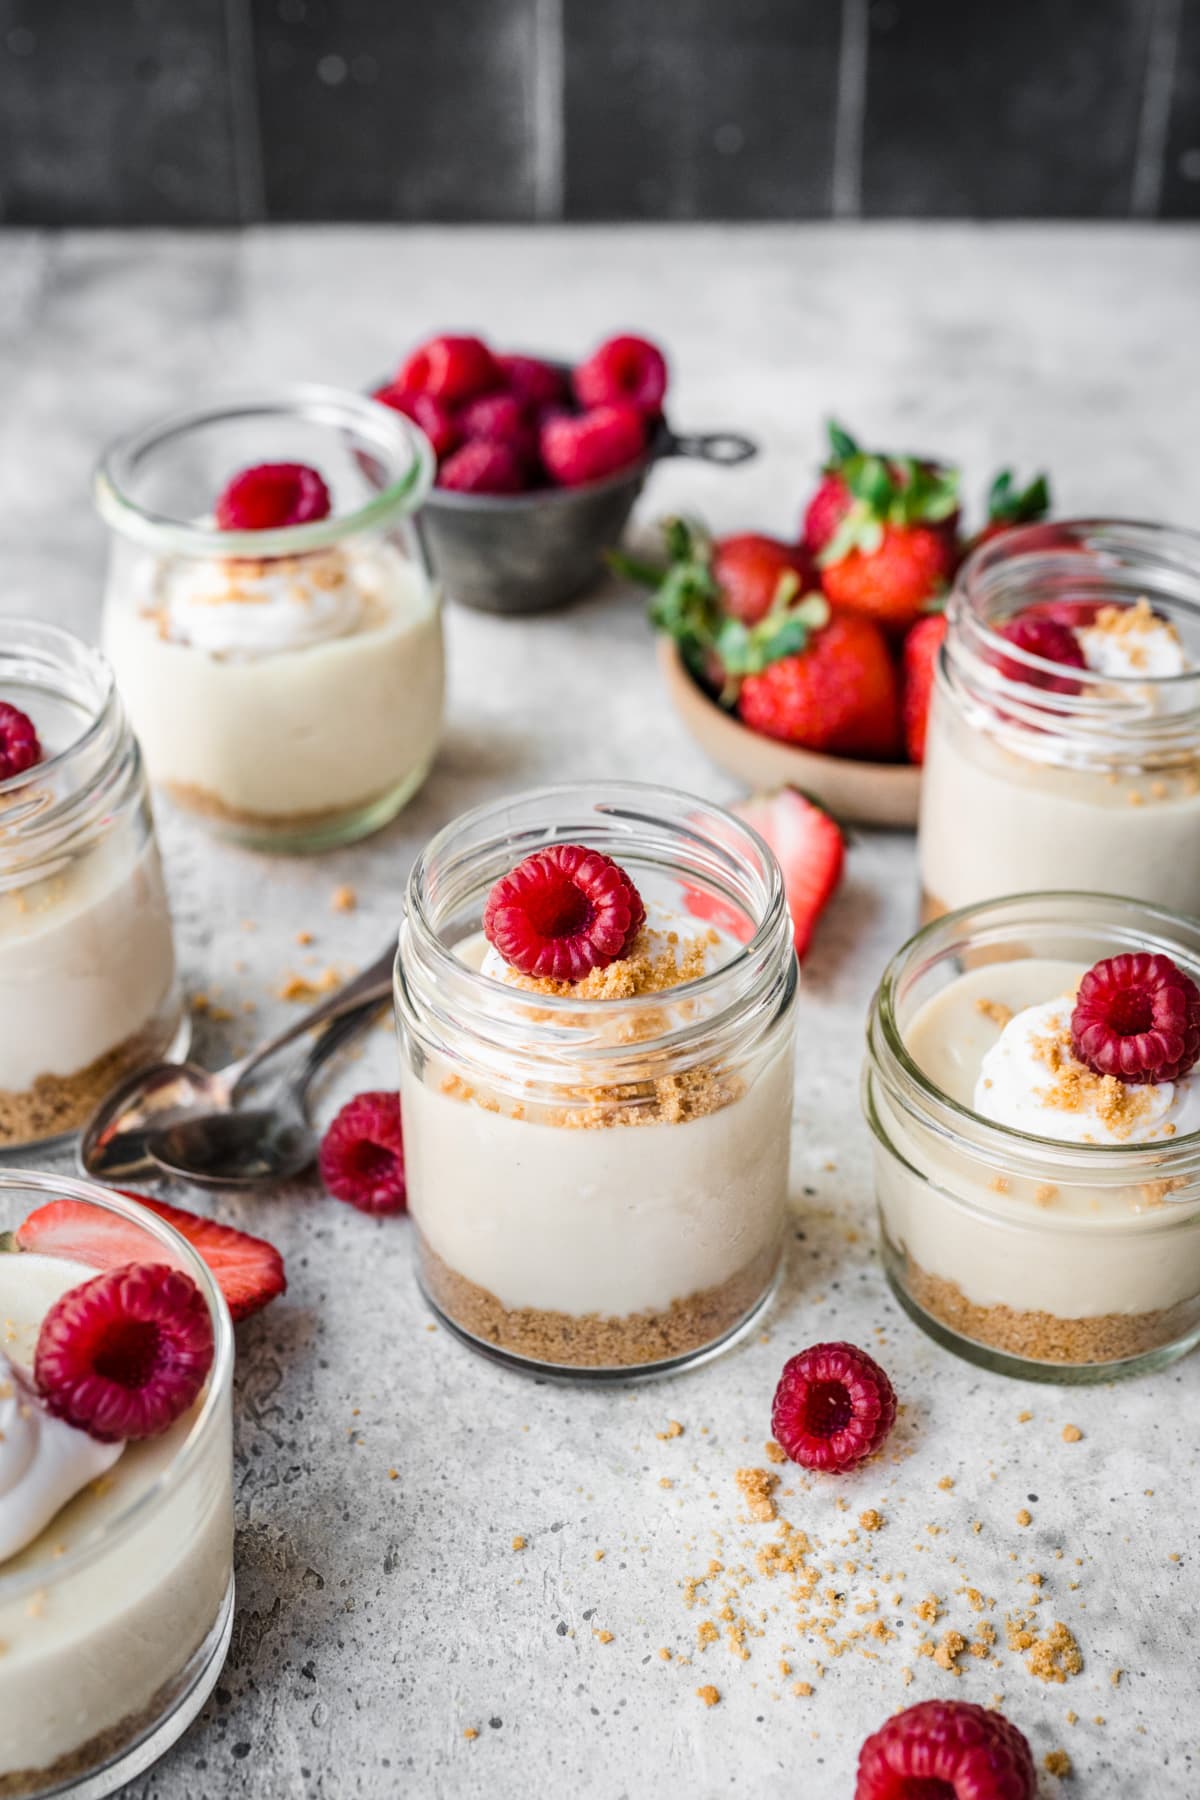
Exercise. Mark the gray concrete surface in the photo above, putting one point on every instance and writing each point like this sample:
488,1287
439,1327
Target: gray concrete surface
379,1619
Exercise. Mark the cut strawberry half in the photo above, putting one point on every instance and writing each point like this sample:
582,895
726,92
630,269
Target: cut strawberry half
248,1270
810,850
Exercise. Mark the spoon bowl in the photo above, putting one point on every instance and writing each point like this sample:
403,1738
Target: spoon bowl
235,1149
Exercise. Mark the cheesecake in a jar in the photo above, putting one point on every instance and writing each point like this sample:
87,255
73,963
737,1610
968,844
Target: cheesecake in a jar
595,992
116,1515
1033,1090
88,982
1064,736
271,616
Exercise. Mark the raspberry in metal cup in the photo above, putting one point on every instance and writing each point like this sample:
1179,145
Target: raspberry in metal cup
595,992
1064,738
1031,1084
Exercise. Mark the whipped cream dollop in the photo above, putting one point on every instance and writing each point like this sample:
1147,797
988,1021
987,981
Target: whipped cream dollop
665,935
246,609
1133,640
44,1462
1030,1081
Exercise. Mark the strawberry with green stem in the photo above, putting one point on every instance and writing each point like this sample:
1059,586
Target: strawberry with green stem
1009,505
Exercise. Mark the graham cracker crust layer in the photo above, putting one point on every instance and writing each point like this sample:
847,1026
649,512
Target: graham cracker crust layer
591,1340
61,1103
201,800
1042,1336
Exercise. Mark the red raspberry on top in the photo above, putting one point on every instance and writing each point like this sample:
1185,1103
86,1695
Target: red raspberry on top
946,1750
1137,1017
125,1354
483,466
272,496
1048,638
562,912
595,444
362,1154
450,368
833,1408
20,746
625,369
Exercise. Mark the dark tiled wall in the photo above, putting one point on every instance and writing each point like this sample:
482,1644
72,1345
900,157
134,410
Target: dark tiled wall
215,111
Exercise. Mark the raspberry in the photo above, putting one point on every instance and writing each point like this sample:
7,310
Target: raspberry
501,419
450,368
625,369
562,912
535,384
20,748
482,467
124,1354
1137,1017
271,496
946,1750
434,417
1050,639
833,1408
595,444
362,1154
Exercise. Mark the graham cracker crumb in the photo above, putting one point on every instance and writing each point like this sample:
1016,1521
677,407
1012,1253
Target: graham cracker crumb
309,987
994,1010
757,1487
665,1654
674,1430
1075,1088
605,1637
304,938
928,1609
1023,1418
774,1452
518,1543
1024,1517
597,1556
1072,1718
950,1648
470,1732
1071,1434
802,1689
649,968
393,1474
871,1520
1057,1762
343,899
709,1695
946,1483
1054,1657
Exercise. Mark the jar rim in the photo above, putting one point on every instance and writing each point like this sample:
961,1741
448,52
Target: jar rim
59,648
623,801
1031,552
151,1498
390,433
905,1079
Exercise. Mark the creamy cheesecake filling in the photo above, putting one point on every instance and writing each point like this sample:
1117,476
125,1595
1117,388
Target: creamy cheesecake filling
1083,1270
91,1654
600,1225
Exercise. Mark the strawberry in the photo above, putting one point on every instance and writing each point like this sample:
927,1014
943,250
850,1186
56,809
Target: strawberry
248,1270
1009,506
749,570
837,694
885,531
809,848
918,667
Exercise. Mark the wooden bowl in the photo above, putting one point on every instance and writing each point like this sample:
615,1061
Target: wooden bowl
858,793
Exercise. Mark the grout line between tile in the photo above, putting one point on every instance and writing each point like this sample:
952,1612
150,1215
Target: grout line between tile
548,107
1162,50
243,104
850,112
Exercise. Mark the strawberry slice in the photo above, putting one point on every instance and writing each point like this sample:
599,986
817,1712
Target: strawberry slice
248,1270
809,848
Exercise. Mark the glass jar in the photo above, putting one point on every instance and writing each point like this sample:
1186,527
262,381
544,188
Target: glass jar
599,1187
1090,783
286,684
88,985
116,1619
1053,1261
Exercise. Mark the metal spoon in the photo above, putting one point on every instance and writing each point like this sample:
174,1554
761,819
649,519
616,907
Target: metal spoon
240,1149
112,1145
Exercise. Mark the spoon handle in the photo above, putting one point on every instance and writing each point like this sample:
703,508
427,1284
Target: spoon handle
336,1035
372,983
